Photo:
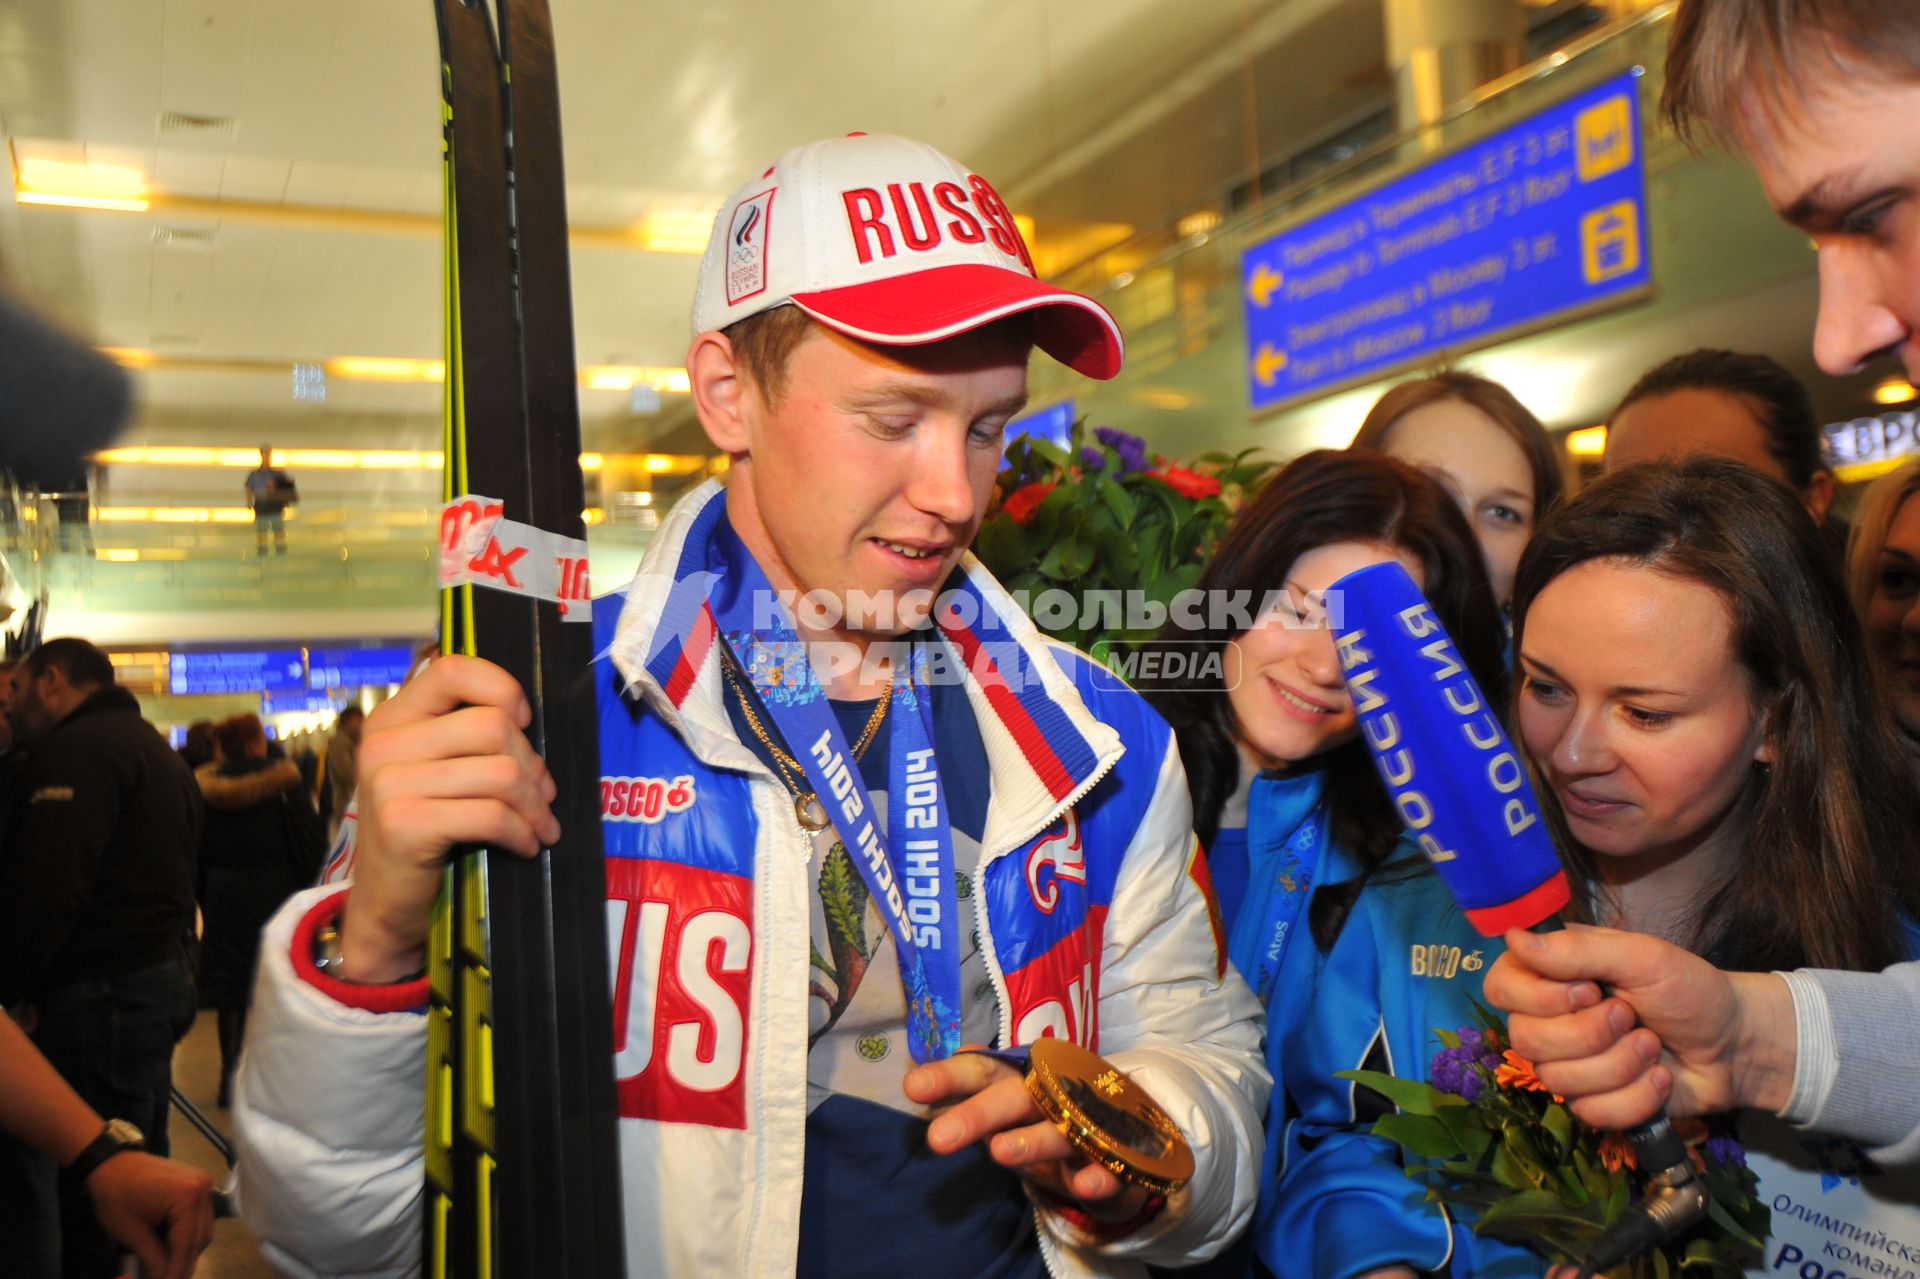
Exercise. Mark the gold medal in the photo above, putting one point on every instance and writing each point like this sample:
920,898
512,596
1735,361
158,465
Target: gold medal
1108,1116
811,812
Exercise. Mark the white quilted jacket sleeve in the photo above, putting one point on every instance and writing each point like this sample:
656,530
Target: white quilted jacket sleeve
329,1122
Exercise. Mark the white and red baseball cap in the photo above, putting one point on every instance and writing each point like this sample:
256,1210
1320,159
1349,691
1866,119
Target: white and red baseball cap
887,240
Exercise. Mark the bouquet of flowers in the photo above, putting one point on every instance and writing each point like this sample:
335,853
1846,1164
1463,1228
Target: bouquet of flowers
1487,1136
1103,514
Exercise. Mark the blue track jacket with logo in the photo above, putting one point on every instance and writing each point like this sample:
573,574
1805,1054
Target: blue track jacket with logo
1340,1204
1093,910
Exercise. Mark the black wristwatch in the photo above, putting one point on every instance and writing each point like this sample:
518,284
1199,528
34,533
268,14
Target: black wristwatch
117,1136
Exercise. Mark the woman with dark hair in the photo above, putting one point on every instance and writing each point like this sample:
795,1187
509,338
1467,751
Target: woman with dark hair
1290,810
1486,447
252,855
1719,764
1695,692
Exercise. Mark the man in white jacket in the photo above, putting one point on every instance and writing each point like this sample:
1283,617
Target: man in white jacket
788,1017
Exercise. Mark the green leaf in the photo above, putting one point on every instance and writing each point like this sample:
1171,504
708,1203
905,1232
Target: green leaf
1724,1219
1052,452
1422,1134
1081,552
1537,1208
837,896
1617,1202
1559,1125
1661,1268
1001,547
1410,1095
1447,1038
1117,499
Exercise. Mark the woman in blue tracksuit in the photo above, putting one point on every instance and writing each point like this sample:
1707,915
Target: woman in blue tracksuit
1290,809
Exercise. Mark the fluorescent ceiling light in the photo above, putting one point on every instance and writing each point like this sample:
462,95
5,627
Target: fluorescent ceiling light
64,200
1589,441
381,368
1894,391
624,377
682,231
78,184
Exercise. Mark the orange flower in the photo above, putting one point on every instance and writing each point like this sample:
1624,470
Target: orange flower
1517,1072
1616,1153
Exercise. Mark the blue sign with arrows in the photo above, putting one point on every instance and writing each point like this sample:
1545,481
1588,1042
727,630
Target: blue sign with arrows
359,667
254,670
1541,219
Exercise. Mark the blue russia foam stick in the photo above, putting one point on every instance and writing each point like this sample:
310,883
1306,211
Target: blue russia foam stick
1456,781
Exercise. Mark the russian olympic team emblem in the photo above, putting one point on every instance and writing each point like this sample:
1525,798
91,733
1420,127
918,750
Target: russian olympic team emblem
1054,857
747,248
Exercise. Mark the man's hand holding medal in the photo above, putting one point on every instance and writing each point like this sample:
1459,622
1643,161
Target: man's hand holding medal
1071,1123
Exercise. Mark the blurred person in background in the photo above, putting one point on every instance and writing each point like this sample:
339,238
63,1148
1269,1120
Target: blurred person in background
261,846
1883,575
199,747
97,905
1730,404
270,491
1290,809
1491,452
343,766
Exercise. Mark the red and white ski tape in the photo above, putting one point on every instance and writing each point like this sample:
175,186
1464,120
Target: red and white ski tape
479,546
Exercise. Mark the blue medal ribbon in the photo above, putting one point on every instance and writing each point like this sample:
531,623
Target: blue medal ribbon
1285,814
909,873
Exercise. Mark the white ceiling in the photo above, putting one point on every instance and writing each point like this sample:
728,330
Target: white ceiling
335,108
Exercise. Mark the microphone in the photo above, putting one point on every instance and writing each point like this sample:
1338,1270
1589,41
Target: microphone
60,399
1463,796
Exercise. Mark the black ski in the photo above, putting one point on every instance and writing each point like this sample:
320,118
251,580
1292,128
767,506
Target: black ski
522,1167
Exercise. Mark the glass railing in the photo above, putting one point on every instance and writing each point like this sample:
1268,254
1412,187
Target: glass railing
1178,298
170,552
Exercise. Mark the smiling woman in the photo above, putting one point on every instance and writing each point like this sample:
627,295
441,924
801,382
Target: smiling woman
1696,694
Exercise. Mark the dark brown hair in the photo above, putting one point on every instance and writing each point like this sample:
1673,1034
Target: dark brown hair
1723,49
1321,498
1831,843
1777,399
1486,395
199,747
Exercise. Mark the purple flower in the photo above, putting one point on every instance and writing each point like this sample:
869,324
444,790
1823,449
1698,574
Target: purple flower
1726,1150
1092,459
1131,449
1457,1070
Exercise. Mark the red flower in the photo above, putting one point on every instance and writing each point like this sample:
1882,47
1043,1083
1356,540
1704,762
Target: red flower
1023,501
1187,483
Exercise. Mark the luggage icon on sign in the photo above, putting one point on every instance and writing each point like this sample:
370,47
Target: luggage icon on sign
1603,139
1610,242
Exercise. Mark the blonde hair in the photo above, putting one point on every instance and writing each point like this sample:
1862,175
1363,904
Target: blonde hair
1872,519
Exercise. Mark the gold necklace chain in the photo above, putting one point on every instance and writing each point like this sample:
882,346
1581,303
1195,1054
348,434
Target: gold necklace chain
806,804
